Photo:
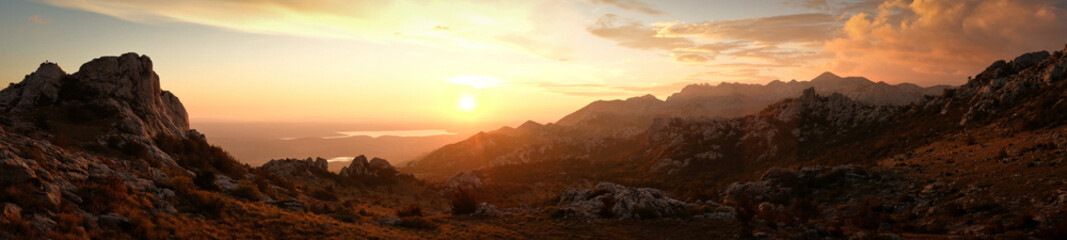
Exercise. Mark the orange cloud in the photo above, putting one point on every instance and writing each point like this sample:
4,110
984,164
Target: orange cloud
943,41
633,34
770,30
632,5
921,41
38,19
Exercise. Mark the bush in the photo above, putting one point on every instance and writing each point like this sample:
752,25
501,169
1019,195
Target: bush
556,212
208,203
206,180
463,202
647,212
804,209
196,154
1057,231
417,223
102,195
324,195
247,192
412,210
608,202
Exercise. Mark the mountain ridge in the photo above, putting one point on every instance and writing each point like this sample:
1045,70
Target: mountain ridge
613,120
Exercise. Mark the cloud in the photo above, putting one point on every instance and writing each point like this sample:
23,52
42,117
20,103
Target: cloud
604,90
769,30
38,19
632,5
447,24
632,34
925,42
782,41
943,41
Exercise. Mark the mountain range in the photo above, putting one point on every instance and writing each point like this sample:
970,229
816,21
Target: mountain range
581,134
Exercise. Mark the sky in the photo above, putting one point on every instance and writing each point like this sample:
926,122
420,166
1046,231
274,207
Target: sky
484,62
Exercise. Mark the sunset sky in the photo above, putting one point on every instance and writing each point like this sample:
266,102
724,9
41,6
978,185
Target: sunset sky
508,61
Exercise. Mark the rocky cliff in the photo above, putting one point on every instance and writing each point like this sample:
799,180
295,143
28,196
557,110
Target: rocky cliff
122,89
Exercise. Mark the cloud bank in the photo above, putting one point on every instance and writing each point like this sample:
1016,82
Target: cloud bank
922,41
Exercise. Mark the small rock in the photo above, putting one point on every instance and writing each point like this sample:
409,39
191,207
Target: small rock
15,171
10,211
113,220
464,180
389,221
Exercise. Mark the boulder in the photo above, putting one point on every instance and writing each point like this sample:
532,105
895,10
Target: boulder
489,210
10,211
39,88
14,171
464,180
376,167
617,201
113,220
124,87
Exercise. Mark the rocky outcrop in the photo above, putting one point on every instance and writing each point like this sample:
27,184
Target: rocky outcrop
464,180
782,185
1004,84
376,167
122,89
611,200
296,168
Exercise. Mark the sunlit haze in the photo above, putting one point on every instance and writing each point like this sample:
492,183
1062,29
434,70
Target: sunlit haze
479,64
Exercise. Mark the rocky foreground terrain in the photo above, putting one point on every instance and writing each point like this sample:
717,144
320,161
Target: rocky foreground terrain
105,153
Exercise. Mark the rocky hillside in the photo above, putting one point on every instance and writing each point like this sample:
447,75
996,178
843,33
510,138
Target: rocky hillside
602,129
982,160
105,153
728,100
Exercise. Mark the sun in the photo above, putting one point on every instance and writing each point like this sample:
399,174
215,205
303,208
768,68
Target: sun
466,103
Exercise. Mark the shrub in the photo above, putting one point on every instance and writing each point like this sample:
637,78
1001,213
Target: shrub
804,209
412,210
463,202
135,150
608,202
417,223
324,195
32,152
206,180
196,154
247,192
1057,231
103,194
208,203
646,212
69,226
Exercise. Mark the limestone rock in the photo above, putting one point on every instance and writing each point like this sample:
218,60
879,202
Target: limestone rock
360,167
624,202
123,86
464,180
15,171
